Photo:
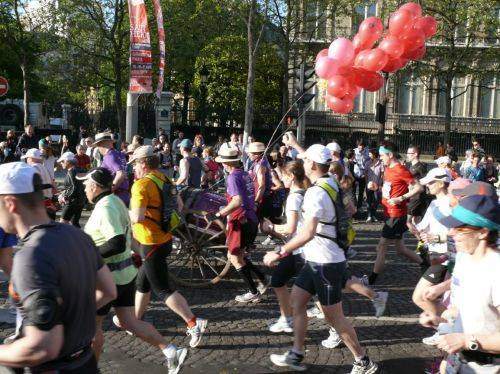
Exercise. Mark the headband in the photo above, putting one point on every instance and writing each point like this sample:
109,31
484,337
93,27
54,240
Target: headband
382,149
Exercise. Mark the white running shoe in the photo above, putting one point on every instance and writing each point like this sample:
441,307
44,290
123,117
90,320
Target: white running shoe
174,364
380,302
268,241
369,368
364,280
432,340
289,359
196,332
116,322
315,312
248,298
333,340
350,253
283,324
262,287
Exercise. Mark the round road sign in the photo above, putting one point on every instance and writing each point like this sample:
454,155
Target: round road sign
4,86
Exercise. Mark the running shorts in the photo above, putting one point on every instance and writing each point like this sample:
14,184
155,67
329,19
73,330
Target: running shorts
323,280
153,274
286,269
394,228
125,298
240,236
435,273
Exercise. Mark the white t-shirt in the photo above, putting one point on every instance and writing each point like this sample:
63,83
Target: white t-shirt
46,179
318,204
294,203
438,208
476,293
50,163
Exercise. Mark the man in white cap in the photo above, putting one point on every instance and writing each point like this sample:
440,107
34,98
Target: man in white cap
73,194
58,281
34,157
325,264
116,163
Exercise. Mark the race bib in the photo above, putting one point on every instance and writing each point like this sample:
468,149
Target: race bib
386,190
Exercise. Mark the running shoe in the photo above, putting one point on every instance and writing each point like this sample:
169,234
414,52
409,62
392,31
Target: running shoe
283,324
369,219
350,253
314,312
289,359
432,340
380,302
333,340
174,364
262,287
360,367
268,241
116,322
364,280
196,332
248,298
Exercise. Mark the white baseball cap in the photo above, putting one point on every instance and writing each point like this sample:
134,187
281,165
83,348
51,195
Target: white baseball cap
334,147
436,174
443,160
16,178
317,153
67,156
32,153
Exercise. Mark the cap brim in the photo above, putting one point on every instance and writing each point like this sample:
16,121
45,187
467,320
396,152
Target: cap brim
425,180
451,222
94,144
83,177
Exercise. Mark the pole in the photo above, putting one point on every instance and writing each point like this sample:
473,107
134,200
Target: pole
132,119
301,125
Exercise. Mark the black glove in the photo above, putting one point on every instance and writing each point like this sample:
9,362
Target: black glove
211,217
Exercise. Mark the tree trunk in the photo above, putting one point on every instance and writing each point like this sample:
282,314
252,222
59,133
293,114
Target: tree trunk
286,77
185,103
26,92
249,109
447,114
119,110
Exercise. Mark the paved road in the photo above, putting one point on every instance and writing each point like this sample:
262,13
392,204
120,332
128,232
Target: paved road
238,341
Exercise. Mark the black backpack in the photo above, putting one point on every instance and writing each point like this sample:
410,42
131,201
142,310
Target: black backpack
170,219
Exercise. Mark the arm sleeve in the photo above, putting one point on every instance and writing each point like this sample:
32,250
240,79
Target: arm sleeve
139,197
232,186
113,246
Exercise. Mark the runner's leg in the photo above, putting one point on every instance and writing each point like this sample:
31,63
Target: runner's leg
98,342
141,329
299,298
401,249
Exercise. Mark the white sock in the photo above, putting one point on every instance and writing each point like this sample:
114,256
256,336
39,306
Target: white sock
170,351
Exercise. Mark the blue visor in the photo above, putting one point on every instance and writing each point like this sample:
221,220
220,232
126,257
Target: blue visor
461,216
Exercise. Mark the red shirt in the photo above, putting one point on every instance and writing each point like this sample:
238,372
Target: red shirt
396,182
82,162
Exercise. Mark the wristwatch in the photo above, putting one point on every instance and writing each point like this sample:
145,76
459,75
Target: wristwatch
218,215
473,344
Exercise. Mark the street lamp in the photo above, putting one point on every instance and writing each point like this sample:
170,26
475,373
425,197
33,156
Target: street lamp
204,73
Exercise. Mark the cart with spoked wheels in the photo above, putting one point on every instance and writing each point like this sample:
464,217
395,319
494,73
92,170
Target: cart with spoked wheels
199,253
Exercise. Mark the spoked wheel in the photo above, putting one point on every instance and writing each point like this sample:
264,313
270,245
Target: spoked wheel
199,256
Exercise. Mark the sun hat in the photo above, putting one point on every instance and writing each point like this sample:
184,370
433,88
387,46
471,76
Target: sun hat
476,210
317,153
458,184
141,152
101,176
67,156
334,147
17,178
227,154
103,137
33,153
256,147
436,174
443,160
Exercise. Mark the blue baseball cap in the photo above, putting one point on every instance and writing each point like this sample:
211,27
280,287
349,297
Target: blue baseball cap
476,210
186,143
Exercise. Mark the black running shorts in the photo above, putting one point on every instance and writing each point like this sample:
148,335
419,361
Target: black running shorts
324,280
125,298
286,269
435,273
394,228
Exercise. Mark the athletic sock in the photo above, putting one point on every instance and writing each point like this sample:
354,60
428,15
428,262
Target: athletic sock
298,353
372,278
170,351
191,323
254,269
247,277
363,360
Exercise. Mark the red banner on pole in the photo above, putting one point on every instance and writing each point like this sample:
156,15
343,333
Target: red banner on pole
161,45
141,64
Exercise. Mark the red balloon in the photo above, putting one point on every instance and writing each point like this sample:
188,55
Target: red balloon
322,53
416,54
352,91
342,106
394,65
392,46
325,67
364,41
374,60
428,25
368,80
337,86
371,25
413,39
413,8
358,61
400,21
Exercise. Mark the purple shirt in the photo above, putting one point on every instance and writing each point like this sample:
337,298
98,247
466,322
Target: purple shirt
240,183
115,161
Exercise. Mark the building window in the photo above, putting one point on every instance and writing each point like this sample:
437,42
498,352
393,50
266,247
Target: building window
360,13
315,18
365,102
489,95
492,32
458,93
411,95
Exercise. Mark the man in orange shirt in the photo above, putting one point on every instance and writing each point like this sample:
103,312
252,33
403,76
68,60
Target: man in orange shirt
399,186
154,243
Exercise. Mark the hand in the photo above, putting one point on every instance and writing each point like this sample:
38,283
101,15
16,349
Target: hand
267,226
452,343
395,200
211,217
432,293
430,320
427,238
271,258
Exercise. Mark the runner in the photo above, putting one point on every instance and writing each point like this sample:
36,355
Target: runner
109,227
417,204
362,158
397,180
58,281
190,166
73,195
374,182
241,223
325,264
116,162
155,245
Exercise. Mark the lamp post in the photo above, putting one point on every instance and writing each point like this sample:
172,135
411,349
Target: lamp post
204,73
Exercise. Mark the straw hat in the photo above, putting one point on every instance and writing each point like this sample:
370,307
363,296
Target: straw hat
103,137
141,152
256,147
227,154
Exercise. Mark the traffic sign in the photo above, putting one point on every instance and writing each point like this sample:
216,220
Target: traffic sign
4,86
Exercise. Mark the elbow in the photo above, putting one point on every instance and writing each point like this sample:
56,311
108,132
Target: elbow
38,355
112,293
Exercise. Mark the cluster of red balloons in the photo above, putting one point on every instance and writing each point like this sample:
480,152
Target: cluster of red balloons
351,65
